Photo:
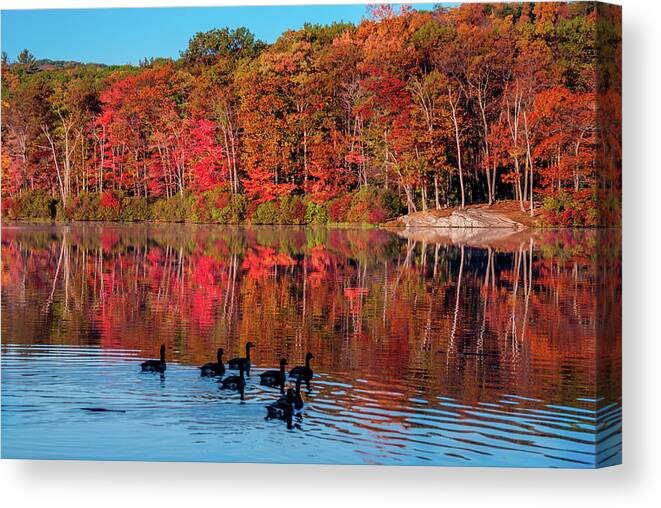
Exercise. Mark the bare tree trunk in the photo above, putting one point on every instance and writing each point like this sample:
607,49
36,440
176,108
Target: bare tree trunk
226,147
513,123
530,164
410,203
453,105
485,126
305,158
102,147
61,186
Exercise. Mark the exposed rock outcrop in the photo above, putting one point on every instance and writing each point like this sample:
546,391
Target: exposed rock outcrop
468,218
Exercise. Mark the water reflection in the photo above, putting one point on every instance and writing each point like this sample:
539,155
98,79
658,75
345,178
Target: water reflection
429,348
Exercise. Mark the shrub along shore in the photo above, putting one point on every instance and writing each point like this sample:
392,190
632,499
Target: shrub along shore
368,205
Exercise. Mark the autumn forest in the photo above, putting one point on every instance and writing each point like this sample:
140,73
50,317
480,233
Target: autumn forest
492,343
407,111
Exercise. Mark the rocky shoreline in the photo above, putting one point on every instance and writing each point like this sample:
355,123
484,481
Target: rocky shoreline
466,218
476,226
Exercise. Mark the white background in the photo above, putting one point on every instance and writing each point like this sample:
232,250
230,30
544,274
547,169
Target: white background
636,483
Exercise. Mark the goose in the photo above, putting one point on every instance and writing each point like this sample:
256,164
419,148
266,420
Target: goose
235,382
274,377
214,369
283,408
234,363
303,371
155,365
298,399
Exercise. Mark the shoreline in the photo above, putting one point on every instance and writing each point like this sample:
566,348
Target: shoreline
505,216
392,225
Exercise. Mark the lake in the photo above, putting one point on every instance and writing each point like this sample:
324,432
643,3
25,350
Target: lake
453,348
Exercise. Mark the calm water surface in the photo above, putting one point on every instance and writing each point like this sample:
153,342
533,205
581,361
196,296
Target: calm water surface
435,349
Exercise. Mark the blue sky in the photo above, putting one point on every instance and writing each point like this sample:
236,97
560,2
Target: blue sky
119,36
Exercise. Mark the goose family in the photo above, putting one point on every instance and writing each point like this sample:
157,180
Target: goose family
282,408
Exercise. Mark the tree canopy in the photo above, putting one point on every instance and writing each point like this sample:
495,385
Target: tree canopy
415,109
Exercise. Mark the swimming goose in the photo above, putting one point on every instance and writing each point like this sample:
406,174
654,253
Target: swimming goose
155,365
274,377
234,363
214,369
282,408
235,382
303,371
298,399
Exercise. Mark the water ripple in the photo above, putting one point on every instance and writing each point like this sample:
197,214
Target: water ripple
90,403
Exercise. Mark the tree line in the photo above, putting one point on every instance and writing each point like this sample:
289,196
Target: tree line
407,111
